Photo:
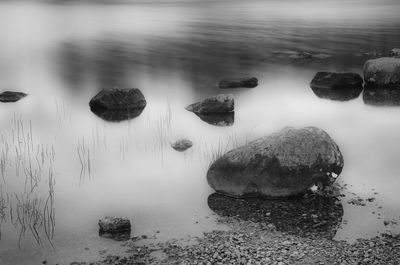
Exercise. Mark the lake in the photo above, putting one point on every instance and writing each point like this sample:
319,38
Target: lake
63,167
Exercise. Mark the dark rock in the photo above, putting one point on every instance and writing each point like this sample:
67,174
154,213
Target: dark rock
10,96
248,82
182,145
382,72
218,104
394,53
219,119
337,86
286,163
118,99
117,115
113,224
376,96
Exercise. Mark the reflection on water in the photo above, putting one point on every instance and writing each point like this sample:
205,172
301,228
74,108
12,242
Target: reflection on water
224,119
117,115
175,53
337,94
381,96
310,217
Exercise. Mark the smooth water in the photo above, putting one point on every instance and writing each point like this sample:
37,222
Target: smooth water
63,167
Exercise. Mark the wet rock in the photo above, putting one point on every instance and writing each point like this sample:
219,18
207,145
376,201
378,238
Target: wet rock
377,96
337,86
382,72
182,145
113,224
248,82
117,236
394,53
117,115
286,163
221,103
219,119
118,99
10,96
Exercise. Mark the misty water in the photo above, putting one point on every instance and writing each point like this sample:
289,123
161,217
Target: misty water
65,167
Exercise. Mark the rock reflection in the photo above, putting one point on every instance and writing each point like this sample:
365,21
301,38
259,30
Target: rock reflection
117,115
310,217
223,120
337,94
381,96
117,236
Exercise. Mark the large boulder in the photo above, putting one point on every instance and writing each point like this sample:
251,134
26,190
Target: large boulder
382,72
337,86
394,52
10,96
286,163
118,99
248,82
221,103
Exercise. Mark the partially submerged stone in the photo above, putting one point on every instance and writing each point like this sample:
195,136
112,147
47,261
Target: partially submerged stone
113,224
382,72
286,163
11,96
118,99
337,86
394,52
182,145
222,103
247,82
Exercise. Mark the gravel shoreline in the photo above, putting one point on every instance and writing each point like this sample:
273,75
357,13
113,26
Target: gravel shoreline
279,232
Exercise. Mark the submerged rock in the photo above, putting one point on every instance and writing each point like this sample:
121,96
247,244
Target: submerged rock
118,99
219,119
117,115
113,224
382,72
248,82
394,52
337,86
221,103
377,96
182,145
10,96
286,163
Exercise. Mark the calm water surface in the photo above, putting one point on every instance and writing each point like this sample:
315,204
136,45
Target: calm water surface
63,166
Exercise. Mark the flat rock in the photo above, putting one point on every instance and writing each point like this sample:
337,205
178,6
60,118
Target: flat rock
286,163
113,224
118,99
10,96
222,103
247,82
182,145
382,72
